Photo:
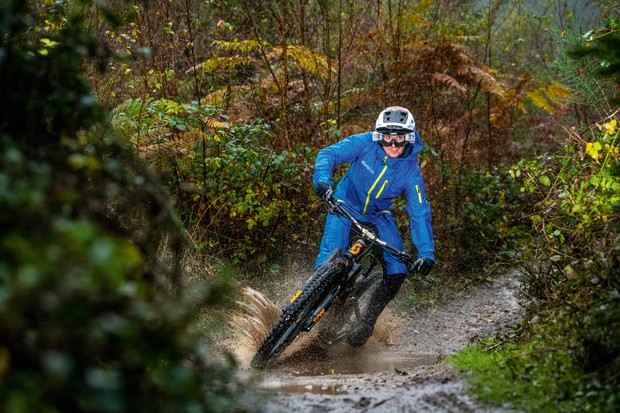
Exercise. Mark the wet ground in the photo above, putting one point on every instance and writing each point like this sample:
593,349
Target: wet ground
399,369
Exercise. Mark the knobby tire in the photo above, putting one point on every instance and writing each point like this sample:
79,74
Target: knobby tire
341,318
289,325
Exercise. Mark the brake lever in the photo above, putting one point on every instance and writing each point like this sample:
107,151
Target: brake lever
332,205
407,259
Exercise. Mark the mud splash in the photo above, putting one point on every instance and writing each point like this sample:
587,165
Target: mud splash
252,324
398,370
260,315
307,354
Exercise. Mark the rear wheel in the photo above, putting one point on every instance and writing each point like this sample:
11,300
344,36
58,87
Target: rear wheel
346,315
295,313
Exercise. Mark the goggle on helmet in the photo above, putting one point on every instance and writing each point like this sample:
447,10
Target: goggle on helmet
395,120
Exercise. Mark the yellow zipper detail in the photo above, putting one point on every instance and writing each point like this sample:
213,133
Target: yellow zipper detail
417,188
375,184
382,188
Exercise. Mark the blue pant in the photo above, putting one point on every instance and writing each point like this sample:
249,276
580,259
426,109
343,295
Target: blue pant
336,235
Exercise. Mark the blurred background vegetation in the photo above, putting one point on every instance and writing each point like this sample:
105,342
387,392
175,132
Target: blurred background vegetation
145,143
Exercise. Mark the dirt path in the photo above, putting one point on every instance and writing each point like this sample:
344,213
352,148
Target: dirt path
398,370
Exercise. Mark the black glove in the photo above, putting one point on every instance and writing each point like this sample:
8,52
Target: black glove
324,191
422,265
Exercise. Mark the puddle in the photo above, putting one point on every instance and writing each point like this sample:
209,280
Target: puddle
400,363
331,389
329,376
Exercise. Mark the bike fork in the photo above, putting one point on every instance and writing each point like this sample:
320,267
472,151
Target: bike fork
327,302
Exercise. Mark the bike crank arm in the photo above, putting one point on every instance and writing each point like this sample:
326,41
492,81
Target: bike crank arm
356,307
339,336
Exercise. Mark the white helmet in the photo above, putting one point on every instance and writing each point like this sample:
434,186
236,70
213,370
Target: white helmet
395,120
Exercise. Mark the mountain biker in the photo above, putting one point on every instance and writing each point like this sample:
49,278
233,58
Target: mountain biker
383,165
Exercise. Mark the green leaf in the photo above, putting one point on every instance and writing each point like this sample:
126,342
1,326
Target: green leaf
544,179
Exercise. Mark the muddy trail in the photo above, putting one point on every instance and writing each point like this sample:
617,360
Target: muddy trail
398,370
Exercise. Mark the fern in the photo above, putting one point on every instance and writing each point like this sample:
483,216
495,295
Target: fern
445,79
512,98
484,79
550,96
131,107
213,124
539,99
244,46
217,97
305,58
162,122
557,92
221,63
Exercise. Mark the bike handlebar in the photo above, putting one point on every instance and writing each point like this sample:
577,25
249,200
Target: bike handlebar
336,208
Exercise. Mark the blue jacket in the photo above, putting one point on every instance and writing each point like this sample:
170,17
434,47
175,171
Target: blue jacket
374,179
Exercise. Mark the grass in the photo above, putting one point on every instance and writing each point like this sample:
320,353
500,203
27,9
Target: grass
531,377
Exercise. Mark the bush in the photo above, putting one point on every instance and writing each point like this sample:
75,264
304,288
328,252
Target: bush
480,222
91,319
573,287
238,196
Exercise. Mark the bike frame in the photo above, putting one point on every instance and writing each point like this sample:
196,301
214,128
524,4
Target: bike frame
360,248
333,282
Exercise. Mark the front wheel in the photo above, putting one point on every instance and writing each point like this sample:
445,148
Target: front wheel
294,315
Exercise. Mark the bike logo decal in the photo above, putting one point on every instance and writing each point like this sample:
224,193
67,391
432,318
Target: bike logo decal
356,248
318,316
297,294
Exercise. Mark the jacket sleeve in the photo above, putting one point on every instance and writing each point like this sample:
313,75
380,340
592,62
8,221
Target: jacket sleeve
329,158
419,210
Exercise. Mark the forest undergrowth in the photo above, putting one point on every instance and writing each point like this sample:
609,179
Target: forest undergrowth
192,128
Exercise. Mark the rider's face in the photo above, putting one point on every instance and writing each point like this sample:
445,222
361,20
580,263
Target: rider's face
393,145
393,151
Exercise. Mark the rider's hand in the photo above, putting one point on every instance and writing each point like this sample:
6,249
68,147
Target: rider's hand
422,265
324,191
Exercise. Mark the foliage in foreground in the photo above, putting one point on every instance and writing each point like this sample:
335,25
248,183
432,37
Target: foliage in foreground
90,319
567,358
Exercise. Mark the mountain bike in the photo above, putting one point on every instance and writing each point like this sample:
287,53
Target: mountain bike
341,285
